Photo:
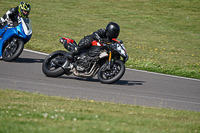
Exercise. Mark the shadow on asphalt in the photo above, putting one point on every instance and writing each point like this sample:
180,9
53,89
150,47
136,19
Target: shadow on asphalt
120,82
28,60
129,82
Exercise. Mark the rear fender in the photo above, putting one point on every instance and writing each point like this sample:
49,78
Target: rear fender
68,40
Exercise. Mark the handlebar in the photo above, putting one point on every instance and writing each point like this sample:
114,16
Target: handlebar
12,24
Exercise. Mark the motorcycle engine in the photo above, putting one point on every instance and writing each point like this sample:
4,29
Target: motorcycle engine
84,62
81,62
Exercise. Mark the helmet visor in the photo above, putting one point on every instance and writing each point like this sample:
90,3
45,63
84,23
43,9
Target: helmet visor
25,13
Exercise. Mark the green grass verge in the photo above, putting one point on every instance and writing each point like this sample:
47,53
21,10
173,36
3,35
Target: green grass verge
160,35
22,112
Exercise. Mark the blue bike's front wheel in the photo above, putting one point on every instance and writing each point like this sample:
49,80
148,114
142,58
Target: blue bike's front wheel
12,49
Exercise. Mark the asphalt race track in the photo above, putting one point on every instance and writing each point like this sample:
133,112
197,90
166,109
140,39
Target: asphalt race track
136,87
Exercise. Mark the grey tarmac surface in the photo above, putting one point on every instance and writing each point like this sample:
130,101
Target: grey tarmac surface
136,87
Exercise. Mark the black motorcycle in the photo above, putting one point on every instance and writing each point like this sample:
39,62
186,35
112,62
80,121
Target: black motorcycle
104,59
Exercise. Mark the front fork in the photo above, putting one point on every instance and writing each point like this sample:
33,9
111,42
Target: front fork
109,60
12,43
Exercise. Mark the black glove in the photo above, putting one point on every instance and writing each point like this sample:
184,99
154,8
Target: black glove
101,40
104,40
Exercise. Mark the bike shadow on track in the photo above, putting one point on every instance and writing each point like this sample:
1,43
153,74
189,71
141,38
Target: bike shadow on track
129,82
120,82
28,60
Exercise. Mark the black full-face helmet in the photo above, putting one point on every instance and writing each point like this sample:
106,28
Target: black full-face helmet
112,30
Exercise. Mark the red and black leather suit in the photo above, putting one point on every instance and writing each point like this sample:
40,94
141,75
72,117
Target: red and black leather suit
102,35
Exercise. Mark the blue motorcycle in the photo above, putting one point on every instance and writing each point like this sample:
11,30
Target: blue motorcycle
13,37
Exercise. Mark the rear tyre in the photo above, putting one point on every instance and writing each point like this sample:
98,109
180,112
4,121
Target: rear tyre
12,50
50,67
112,75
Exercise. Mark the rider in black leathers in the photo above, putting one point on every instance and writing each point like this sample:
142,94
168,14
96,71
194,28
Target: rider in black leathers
102,35
15,13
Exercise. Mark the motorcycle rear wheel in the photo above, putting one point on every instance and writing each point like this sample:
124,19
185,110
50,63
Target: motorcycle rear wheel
112,75
49,68
12,51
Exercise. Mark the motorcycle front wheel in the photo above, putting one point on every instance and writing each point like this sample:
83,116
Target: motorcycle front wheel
51,66
12,50
113,74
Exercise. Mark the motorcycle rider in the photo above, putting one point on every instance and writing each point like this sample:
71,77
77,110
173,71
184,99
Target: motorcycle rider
15,13
102,35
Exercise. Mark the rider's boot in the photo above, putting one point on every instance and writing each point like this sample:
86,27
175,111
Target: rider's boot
73,49
66,65
68,57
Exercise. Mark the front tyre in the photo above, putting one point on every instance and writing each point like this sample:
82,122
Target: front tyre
12,50
51,67
112,75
